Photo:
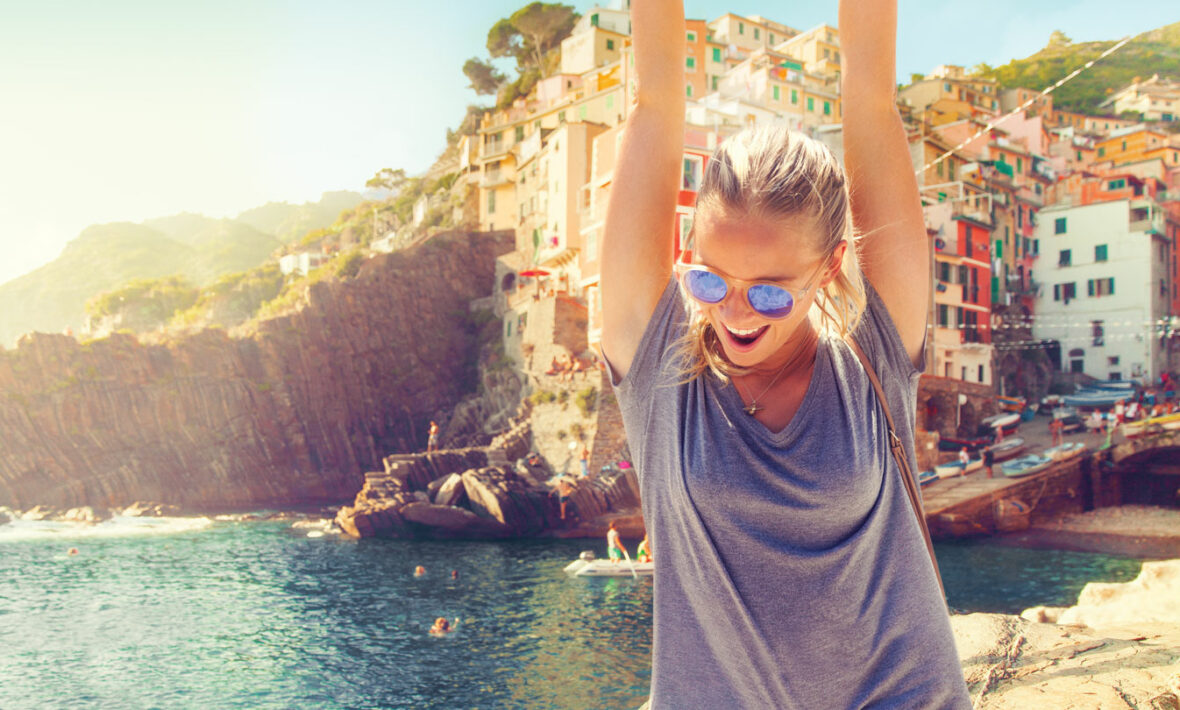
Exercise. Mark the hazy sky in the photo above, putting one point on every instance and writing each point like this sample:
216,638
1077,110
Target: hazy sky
124,110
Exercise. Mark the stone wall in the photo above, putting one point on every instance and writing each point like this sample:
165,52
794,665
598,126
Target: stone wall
938,400
290,412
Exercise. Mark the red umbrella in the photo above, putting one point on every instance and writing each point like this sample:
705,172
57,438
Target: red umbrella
534,272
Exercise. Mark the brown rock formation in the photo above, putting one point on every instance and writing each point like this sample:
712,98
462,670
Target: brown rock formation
287,414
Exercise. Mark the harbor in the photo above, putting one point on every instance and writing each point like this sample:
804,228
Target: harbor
1111,498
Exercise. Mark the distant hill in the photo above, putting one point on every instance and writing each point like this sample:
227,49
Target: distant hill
1154,52
197,247
288,222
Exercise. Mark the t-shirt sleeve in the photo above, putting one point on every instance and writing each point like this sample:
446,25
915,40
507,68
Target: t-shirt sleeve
668,323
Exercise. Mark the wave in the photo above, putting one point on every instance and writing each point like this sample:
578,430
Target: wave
118,526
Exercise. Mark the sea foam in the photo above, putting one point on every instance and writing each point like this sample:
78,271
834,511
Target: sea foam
118,526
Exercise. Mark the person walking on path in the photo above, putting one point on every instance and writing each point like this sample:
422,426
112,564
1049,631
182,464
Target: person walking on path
763,452
989,458
432,438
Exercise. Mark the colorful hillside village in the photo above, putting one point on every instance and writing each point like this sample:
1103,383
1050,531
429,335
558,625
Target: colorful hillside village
1053,234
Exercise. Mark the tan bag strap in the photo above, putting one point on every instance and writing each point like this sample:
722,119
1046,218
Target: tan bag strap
903,464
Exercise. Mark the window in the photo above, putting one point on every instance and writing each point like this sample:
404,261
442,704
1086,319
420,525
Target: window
794,96
1102,152
981,373
561,116
1064,258
594,20
690,63
688,90
691,174
1113,360
772,42
741,28
827,108
810,104
1019,164
1100,287
1036,246
775,91
1064,292
1116,184
943,316
714,86
1099,252
692,36
519,133
1077,366
827,53
610,44
1059,225
757,33
717,54
491,201
1097,332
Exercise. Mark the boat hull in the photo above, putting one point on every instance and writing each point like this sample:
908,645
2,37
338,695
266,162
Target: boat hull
606,568
1024,466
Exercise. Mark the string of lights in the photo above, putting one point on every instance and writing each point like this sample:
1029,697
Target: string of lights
1044,92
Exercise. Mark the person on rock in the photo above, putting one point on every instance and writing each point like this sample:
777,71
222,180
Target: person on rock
793,570
432,438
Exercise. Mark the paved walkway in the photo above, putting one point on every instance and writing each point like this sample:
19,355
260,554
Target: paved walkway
949,492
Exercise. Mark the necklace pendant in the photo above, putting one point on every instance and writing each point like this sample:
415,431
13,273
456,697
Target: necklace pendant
752,408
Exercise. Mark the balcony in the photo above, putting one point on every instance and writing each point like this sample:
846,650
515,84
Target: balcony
1152,223
494,179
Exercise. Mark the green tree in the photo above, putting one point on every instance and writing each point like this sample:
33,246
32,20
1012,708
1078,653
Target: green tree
1059,39
543,26
484,78
388,179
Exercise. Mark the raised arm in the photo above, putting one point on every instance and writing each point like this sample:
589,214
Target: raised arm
637,243
885,205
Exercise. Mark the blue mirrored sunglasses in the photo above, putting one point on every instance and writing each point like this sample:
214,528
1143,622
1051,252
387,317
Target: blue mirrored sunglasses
707,286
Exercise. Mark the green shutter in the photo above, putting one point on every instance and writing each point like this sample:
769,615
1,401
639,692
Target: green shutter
716,54
775,91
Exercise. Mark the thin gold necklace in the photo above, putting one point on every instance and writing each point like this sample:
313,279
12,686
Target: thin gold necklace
752,408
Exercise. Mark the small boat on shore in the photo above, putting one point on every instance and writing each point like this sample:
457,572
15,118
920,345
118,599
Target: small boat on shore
927,477
1006,449
1068,450
950,469
1140,426
1025,465
1011,404
587,566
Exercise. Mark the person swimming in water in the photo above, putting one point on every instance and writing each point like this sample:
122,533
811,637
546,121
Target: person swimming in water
419,571
443,627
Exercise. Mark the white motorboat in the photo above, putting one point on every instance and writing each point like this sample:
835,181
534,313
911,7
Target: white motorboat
587,566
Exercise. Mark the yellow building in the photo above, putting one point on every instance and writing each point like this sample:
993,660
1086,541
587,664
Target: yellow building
1131,145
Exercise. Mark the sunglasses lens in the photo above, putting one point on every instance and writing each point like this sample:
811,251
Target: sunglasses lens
770,301
705,286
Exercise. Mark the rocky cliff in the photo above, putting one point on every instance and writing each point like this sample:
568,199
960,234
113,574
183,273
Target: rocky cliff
290,412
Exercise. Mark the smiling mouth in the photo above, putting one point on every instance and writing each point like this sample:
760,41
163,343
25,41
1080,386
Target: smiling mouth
745,337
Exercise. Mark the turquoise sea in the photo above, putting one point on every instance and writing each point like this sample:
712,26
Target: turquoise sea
188,613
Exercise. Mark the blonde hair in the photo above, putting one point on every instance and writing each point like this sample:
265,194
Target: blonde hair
771,173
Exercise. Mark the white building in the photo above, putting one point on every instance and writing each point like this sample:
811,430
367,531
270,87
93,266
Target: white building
1104,294
302,262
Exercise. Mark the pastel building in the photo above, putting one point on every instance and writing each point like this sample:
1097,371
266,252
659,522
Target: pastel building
1107,286
1154,99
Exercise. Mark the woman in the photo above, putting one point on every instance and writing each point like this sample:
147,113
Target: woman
792,571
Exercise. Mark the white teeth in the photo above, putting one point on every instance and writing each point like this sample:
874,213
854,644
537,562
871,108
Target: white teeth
743,332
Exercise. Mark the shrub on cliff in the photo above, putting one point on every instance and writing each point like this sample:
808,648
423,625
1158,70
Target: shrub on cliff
587,401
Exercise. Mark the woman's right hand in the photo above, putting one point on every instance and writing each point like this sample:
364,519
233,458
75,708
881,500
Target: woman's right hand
637,244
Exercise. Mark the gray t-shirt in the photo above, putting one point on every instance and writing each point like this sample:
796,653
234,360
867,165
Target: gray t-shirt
790,571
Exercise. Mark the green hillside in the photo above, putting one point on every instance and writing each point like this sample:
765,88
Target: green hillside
101,257
1154,52
199,248
288,222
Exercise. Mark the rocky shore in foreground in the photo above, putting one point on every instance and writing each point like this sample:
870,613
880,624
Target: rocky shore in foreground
1119,647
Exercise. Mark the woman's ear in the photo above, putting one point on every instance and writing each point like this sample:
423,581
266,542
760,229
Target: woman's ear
835,263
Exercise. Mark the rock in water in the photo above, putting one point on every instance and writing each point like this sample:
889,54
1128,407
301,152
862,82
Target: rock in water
449,520
1151,598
